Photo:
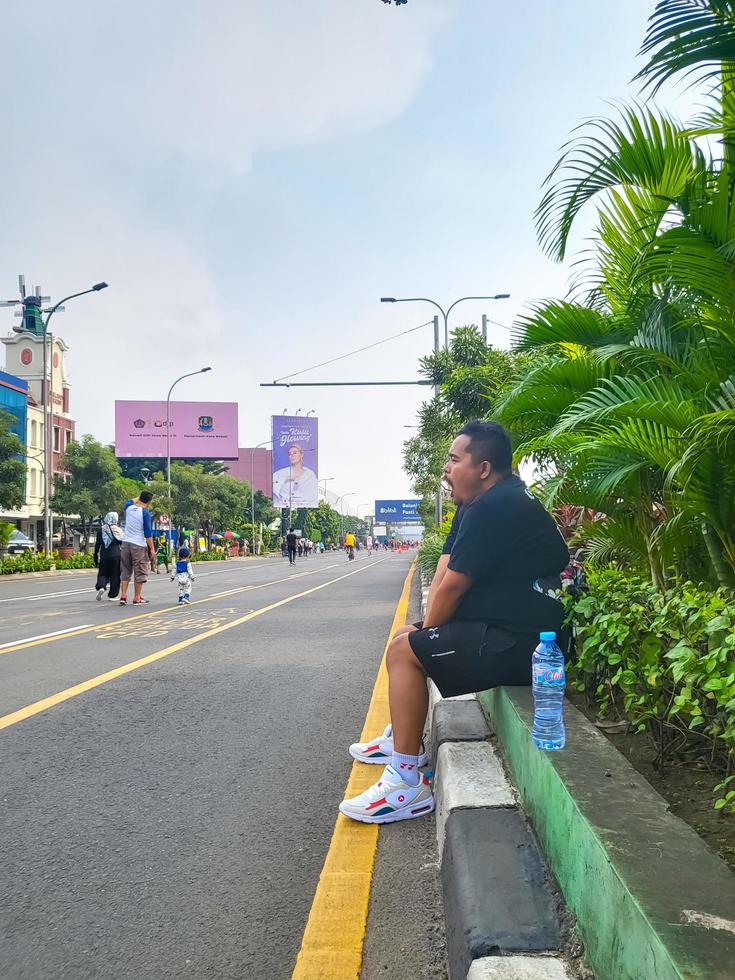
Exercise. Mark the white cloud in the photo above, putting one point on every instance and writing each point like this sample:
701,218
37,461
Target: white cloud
115,105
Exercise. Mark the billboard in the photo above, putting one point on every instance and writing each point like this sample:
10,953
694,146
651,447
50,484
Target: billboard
198,430
295,461
397,511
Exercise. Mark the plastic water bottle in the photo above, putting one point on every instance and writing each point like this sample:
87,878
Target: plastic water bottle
547,671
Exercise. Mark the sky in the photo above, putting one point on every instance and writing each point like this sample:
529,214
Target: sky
251,176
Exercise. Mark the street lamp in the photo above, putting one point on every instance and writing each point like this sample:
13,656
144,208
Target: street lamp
268,442
48,416
325,480
350,493
168,429
423,299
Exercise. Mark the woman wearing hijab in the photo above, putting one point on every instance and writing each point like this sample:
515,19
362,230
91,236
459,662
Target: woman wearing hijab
107,556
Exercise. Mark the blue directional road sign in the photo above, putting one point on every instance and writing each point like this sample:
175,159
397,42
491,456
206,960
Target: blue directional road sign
397,512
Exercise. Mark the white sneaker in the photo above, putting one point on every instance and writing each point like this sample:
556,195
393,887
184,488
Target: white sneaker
379,751
100,594
390,799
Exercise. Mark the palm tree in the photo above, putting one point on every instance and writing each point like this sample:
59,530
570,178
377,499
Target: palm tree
629,407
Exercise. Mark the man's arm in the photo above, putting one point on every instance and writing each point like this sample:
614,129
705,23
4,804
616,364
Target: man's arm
148,533
443,601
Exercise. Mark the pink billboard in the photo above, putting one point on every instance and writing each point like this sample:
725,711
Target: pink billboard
197,430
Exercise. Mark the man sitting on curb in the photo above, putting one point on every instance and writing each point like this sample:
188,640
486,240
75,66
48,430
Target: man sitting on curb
488,602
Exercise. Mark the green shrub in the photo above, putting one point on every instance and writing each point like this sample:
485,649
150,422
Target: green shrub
77,560
432,546
29,562
430,552
208,556
663,660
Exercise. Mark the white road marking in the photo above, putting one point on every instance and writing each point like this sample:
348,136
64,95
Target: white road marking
47,595
43,636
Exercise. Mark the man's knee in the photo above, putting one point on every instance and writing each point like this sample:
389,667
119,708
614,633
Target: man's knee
399,650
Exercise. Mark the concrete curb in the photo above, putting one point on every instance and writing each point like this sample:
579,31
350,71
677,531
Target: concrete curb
497,898
650,898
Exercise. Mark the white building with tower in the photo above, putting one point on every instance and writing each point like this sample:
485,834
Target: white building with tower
24,359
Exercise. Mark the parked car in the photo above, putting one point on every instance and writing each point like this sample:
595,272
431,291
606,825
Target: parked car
20,543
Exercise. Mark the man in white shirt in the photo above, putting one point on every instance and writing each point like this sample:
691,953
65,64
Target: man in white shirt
137,550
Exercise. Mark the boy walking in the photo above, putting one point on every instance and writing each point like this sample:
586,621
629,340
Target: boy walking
184,575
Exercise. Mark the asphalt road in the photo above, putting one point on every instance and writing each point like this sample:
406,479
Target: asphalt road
170,818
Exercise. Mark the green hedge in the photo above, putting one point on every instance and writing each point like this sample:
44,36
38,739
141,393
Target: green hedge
25,563
77,560
35,562
208,556
666,662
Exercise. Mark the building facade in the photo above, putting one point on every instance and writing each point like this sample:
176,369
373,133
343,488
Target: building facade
24,364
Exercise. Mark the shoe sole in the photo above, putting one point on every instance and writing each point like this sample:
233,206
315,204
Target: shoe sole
408,813
100,593
383,760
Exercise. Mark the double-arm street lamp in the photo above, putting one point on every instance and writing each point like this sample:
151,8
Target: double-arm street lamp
168,432
445,316
48,416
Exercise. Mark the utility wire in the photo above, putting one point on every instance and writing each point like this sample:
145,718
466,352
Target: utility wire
353,352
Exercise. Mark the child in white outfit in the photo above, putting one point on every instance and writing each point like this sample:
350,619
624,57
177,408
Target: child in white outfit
183,572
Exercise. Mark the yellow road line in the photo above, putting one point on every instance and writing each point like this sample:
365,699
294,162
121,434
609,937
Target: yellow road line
24,644
331,948
71,692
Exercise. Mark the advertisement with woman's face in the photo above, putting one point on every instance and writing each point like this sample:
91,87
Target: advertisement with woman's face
295,463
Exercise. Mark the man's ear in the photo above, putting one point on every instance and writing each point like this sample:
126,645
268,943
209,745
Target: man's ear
486,469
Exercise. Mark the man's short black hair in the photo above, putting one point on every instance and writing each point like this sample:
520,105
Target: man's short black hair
489,441
145,496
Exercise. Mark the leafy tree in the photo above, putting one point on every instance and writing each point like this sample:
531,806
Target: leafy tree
12,469
632,406
91,487
470,377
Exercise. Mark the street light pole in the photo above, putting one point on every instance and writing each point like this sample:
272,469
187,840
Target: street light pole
48,416
340,501
445,315
268,442
168,434
325,480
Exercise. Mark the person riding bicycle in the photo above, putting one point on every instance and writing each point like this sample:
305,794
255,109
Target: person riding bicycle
350,545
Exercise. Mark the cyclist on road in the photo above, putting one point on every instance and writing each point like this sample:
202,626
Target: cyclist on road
350,545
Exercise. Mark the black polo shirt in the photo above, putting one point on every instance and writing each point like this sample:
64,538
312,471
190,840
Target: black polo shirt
510,547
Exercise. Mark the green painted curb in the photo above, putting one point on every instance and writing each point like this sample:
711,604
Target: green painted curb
651,899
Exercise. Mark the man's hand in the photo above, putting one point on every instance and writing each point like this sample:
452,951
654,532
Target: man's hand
444,600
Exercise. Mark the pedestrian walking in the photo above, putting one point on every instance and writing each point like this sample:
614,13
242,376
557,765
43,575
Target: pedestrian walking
137,549
161,553
107,556
184,575
291,543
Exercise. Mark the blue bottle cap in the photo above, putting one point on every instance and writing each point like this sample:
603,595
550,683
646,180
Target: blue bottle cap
549,637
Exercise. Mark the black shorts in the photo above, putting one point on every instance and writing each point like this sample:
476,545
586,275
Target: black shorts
463,658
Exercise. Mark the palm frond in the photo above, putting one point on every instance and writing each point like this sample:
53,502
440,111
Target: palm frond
646,150
688,36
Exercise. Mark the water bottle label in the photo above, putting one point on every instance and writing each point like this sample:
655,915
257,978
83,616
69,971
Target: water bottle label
551,676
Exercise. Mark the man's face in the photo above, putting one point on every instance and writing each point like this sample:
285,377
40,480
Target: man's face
464,476
294,455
